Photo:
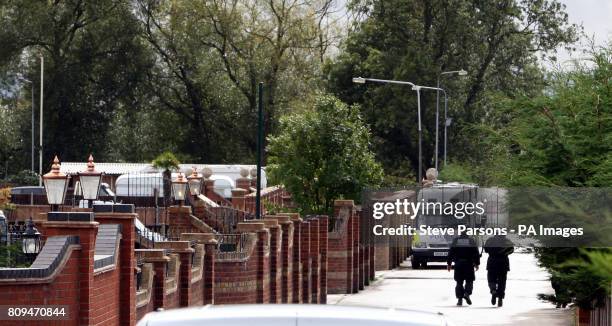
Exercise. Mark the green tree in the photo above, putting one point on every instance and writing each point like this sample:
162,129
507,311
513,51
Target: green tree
563,137
94,62
414,40
323,154
212,54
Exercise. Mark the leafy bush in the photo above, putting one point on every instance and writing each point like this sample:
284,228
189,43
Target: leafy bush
322,155
24,178
455,172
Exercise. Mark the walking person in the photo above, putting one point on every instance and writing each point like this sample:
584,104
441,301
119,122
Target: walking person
499,247
464,253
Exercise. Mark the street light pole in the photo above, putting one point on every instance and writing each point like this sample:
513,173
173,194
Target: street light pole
260,123
33,127
459,73
40,149
417,88
418,91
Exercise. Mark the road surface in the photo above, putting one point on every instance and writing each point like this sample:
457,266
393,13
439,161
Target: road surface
432,289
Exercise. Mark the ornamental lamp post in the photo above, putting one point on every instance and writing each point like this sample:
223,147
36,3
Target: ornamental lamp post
56,184
90,180
31,239
179,185
195,182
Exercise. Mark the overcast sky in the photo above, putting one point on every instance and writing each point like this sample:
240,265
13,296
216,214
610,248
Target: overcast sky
596,18
594,15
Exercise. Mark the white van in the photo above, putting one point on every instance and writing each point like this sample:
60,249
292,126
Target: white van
148,184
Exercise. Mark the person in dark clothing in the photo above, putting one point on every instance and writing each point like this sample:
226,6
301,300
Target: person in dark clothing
498,265
464,253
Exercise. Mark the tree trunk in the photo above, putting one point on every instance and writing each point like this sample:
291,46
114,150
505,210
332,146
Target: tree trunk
167,179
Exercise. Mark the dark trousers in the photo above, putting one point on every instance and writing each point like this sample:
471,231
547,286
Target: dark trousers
460,290
497,282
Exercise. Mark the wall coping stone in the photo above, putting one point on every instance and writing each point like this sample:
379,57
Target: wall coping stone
245,227
107,245
199,237
46,263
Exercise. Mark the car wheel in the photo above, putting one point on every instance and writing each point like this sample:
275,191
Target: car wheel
415,263
424,264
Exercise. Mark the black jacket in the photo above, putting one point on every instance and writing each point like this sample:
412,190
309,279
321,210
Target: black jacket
498,248
464,253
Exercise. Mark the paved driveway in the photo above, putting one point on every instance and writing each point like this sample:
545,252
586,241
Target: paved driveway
433,290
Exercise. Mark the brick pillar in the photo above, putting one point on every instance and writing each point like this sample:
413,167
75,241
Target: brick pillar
262,249
372,261
160,260
184,251
127,261
306,260
244,183
286,257
179,216
323,228
159,283
361,270
199,208
238,198
208,276
86,229
275,259
356,276
349,246
297,259
315,259
208,187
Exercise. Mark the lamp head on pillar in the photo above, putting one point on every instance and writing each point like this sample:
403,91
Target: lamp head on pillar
179,185
90,181
56,184
195,182
31,239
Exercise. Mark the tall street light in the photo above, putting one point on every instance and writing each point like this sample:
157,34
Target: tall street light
40,149
417,88
32,103
452,72
260,140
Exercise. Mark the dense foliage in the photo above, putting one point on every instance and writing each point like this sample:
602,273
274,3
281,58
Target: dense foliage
128,79
496,42
323,154
562,137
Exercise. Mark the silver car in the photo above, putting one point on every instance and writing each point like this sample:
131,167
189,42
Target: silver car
292,315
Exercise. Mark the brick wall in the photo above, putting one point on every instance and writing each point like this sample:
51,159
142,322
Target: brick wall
105,298
315,260
284,260
306,261
340,249
63,289
235,277
297,259
275,259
